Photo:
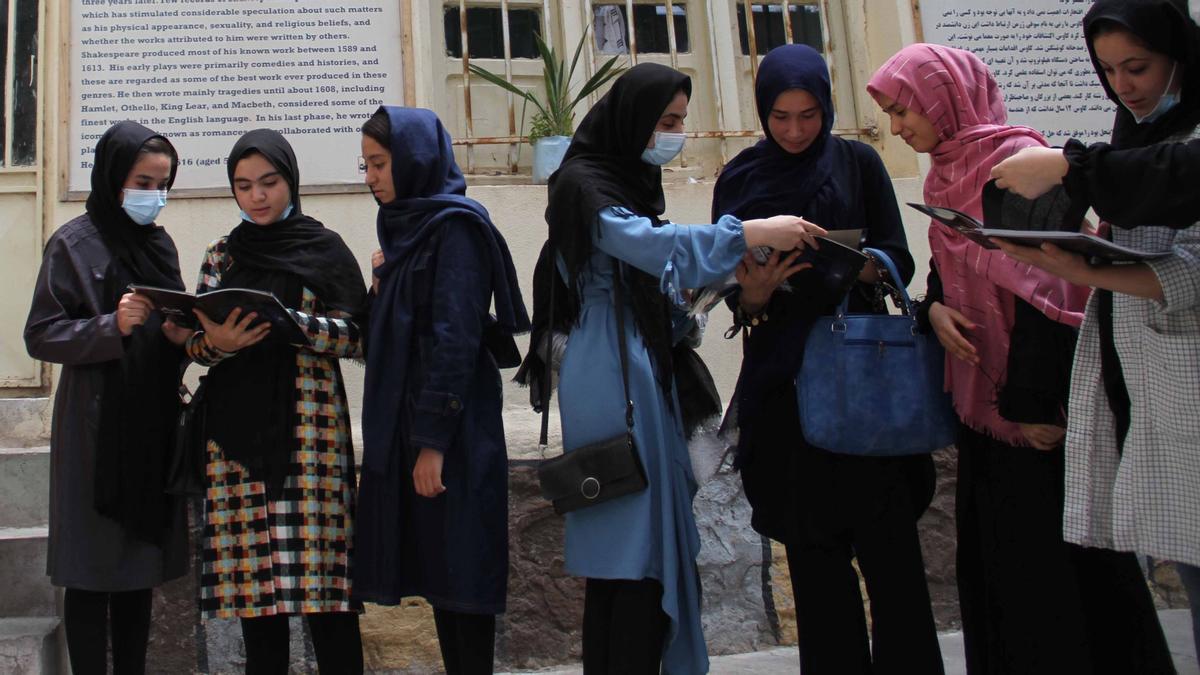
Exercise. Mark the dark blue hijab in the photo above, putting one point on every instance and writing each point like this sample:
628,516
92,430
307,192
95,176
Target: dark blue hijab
430,192
765,180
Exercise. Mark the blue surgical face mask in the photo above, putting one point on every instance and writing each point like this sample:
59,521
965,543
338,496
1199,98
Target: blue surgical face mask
667,147
143,206
284,216
1165,102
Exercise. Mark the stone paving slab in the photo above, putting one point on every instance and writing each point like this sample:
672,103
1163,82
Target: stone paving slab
1176,624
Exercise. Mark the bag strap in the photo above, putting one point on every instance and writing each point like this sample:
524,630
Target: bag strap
619,308
543,438
893,273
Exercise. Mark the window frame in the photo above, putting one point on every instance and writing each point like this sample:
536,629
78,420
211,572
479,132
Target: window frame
732,73
9,73
631,37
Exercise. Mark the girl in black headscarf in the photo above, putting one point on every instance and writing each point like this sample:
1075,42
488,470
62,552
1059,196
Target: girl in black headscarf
638,552
114,533
279,507
1132,472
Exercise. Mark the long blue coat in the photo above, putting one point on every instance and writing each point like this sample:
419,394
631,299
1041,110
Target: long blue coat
650,534
452,549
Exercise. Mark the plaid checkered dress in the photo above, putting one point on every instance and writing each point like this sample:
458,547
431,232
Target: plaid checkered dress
291,555
1147,498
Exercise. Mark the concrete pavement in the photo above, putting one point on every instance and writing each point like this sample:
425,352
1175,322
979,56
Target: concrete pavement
1176,623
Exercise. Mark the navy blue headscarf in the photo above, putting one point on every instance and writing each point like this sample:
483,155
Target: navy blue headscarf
765,180
430,191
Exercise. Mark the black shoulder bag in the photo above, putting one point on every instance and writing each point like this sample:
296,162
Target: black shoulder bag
597,472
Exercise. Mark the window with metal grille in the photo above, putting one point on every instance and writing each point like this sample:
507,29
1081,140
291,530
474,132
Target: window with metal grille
770,31
485,32
18,96
484,119
611,28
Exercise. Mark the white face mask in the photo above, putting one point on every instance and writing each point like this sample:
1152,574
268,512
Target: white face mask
667,146
1165,102
283,216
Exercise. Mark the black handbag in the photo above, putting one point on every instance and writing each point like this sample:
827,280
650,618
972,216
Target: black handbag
597,472
185,474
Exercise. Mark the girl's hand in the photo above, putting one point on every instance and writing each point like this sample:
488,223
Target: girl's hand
233,335
178,335
377,260
758,282
782,233
1044,436
948,325
1063,264
132,311
427,474
1031,172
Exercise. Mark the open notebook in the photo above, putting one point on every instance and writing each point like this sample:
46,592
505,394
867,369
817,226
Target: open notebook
1049,218
178,305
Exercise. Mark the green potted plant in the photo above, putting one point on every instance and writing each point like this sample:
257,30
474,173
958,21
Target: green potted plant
554,117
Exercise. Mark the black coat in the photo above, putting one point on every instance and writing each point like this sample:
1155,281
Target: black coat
787,481
69,324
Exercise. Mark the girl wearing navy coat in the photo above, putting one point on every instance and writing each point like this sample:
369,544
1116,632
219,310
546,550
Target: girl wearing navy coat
434,495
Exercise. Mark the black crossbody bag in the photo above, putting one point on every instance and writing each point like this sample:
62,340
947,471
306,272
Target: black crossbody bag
597,472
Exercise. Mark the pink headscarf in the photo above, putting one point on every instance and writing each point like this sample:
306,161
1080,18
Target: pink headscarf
955,91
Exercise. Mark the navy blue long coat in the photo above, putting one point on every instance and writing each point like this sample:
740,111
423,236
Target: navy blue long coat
452,549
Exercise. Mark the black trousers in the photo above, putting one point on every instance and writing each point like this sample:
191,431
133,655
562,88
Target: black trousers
335,637
869,513
1032,603
88,617
624,627
467,641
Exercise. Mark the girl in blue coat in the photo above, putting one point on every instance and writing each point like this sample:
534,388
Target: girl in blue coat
433,518
638,552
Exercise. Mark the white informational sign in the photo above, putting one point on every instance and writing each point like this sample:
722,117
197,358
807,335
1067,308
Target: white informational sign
203,72
1037,52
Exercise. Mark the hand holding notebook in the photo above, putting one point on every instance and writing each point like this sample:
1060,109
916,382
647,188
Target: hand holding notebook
1048,219
217,305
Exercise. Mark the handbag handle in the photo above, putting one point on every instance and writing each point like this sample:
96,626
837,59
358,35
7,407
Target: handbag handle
619,307
894,273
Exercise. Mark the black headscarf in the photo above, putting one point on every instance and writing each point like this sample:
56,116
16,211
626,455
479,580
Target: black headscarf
430,193
140,403
1165,27
252,398
602,168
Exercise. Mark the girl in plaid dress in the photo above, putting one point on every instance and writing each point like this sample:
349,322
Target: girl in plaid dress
280,500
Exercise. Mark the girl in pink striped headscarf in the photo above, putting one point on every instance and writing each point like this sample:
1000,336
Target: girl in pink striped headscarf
964,132
1009,333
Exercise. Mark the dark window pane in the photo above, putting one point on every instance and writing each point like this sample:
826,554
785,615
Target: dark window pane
768,27
485,32
806,27
650,24
25,85
4,103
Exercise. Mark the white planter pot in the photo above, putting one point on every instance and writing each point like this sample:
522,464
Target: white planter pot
548,153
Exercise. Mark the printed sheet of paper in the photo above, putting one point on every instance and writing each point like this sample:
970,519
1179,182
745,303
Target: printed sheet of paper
203,72
1036,50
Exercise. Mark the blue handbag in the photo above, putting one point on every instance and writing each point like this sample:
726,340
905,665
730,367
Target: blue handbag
871,384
